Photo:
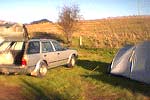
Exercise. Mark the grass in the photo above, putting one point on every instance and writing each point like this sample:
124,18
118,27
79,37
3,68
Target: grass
87,81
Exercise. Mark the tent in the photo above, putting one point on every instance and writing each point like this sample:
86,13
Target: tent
133,62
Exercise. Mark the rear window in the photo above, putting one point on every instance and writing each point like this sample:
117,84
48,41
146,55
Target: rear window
4,46
13,45
33,47
17,46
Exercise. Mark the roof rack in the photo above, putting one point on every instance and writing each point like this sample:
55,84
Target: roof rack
41,37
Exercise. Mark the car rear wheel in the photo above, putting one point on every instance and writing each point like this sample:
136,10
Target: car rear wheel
42,70
72,62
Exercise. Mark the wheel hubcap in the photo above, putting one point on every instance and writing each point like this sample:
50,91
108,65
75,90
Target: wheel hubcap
43,70
73,62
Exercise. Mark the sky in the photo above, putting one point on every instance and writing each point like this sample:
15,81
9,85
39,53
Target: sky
26,11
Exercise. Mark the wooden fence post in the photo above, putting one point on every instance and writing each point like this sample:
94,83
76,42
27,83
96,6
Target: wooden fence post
80,41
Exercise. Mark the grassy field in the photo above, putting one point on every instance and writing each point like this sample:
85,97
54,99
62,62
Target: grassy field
88,80
104,33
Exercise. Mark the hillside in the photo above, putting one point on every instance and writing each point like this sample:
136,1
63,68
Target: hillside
41,21
110,32
43,27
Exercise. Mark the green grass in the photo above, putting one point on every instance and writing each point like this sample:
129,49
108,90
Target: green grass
87,81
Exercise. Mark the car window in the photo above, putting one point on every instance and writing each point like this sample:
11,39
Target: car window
17,46
11,45
33,47
4,46
46,47
57,46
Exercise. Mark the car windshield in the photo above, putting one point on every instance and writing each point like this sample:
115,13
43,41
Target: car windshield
57,45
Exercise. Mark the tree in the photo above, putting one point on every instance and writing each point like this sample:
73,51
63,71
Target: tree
68,18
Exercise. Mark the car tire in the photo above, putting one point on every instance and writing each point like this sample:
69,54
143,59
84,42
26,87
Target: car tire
109,69
42,69
72,62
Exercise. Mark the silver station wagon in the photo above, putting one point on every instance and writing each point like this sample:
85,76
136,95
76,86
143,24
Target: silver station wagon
34,56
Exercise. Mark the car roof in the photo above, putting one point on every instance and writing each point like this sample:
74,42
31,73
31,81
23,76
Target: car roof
35,39
29,39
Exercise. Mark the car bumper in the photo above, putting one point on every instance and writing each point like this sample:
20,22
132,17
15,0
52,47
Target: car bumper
17,70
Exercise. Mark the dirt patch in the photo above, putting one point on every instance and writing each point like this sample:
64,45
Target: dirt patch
91,93
10,93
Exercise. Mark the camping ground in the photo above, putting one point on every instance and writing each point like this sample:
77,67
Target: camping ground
87,81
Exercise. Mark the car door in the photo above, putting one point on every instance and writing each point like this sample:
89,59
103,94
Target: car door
33,53
48,54
62,54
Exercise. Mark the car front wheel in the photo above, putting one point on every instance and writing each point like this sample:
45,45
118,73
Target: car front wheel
72,62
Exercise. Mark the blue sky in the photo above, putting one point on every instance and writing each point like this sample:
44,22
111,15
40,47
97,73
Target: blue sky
25,11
